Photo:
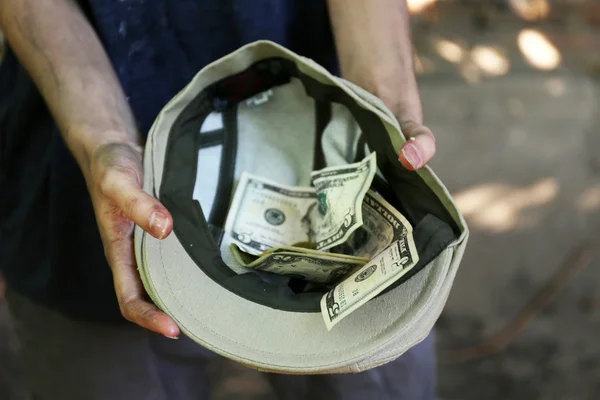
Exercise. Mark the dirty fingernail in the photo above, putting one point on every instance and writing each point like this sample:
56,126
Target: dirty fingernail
412,154
158,224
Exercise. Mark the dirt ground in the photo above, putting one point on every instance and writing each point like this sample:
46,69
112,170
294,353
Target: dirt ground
514,105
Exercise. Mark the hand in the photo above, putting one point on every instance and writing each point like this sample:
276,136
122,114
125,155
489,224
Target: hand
420,146
375,51
114,181
60,49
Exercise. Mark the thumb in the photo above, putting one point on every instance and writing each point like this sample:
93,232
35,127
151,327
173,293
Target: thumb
420,147
118,177
122,188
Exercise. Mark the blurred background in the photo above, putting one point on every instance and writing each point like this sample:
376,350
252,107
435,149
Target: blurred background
511,90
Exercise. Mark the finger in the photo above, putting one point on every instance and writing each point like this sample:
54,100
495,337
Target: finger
130,291
121,186
419,149
148,316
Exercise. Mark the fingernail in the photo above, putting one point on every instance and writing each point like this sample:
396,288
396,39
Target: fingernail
172,337
158,224
412,154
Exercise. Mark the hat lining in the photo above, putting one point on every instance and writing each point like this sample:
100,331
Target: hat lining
191,226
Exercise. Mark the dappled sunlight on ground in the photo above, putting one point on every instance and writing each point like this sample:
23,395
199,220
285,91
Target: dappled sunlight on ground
530,10
498,37
556,86
450,51
417,6
470,73
499,207
538,50
424,65
472,63
490,60
589,200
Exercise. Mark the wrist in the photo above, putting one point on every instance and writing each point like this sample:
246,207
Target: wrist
403,101
86,143
397,90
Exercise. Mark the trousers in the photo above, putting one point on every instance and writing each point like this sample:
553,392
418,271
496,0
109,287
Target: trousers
64,359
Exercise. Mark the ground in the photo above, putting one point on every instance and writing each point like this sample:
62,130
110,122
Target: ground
516,125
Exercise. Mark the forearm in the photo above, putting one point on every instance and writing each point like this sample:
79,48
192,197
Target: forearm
374,47
64,57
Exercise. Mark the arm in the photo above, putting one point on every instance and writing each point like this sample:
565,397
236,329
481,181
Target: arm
65,59
374,46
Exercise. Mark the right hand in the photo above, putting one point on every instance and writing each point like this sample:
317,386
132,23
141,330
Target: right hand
114,180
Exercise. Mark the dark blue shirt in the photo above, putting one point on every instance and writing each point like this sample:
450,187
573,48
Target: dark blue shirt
50,248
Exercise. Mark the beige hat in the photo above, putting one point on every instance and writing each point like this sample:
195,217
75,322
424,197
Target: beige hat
267,111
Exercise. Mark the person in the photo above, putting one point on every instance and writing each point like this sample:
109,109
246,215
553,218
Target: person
80,86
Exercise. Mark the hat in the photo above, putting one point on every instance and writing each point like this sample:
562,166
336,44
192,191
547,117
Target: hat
269,112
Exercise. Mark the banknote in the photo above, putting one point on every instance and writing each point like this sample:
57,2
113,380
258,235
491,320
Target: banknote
340,193
265,214
382,225
370,280
302,263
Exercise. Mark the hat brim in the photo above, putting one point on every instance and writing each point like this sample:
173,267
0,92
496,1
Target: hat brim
283,341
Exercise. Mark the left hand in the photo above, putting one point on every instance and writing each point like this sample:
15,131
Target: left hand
419,148
373,40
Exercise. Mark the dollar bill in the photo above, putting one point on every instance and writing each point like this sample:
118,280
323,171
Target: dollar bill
370,280
265,214
306,264
382,225
340,194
